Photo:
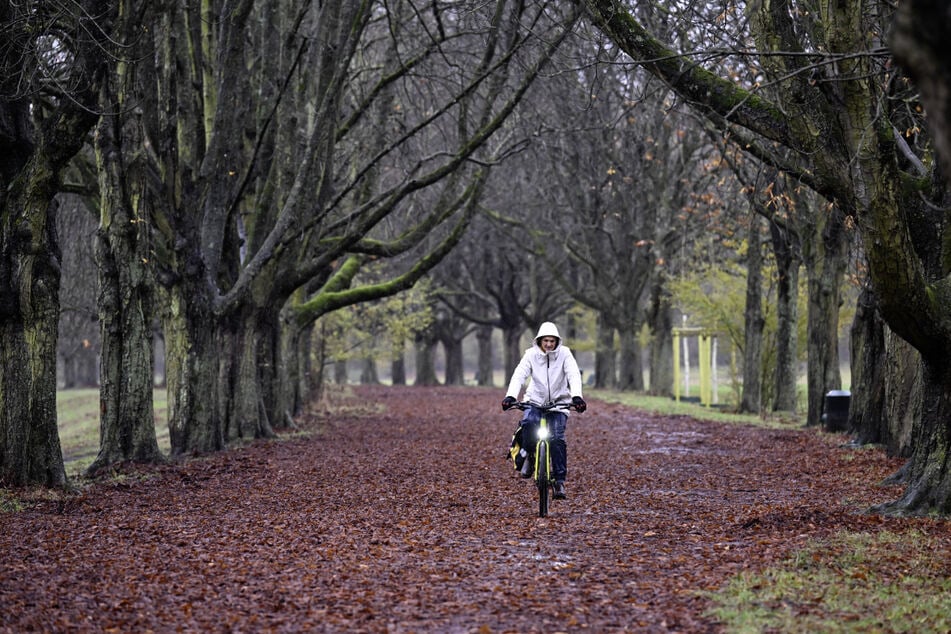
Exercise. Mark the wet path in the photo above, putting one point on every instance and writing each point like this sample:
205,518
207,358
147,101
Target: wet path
401,515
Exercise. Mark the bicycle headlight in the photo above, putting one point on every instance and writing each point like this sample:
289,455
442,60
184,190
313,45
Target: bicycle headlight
543,433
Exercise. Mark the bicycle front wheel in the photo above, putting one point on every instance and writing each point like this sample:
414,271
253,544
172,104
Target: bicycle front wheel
542,477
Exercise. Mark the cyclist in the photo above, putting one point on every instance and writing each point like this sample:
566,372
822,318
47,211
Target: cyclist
555,378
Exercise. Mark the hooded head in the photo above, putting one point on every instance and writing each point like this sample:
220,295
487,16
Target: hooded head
547,329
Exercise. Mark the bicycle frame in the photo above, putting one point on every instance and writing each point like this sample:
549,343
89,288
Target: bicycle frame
541,472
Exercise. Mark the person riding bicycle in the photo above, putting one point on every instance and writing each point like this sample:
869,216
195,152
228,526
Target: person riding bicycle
555,378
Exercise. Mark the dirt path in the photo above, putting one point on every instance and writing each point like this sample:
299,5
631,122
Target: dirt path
411,521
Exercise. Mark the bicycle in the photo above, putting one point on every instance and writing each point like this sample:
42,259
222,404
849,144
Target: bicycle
541,469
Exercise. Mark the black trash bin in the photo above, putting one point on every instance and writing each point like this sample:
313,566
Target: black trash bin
836,414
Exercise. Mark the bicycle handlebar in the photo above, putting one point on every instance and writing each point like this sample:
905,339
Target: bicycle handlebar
523,405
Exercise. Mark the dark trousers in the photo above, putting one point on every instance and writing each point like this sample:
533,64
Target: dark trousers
557,423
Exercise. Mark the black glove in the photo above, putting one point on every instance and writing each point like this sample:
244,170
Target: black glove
579,404
508,403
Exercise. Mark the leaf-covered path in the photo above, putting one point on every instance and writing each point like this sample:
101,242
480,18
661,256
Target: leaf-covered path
410,520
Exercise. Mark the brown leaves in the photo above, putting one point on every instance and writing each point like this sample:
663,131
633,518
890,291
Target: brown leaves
411,521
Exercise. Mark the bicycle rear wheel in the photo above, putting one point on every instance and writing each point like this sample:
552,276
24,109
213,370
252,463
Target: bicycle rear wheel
542,477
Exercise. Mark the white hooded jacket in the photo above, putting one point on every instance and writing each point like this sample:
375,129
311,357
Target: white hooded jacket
555,376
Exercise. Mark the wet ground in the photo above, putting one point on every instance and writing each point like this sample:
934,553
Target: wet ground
397,512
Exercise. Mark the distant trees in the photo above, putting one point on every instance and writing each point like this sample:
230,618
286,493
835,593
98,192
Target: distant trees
78,343
839,122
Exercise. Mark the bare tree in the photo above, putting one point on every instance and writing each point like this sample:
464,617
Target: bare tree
835,127
255,202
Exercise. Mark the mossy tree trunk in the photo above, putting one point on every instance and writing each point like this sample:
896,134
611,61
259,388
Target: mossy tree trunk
126,289
30,452
248,383
32,160
192,365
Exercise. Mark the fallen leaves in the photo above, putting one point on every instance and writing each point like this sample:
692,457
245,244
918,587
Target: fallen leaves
410,521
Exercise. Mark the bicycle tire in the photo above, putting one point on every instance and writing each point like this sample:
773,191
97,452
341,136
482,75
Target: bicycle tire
541,478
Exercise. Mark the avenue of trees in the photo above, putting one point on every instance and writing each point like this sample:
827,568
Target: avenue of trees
251,169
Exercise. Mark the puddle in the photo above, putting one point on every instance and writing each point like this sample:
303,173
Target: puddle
673,442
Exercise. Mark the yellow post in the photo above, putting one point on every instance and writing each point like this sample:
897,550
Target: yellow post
676,333
706,360
706,390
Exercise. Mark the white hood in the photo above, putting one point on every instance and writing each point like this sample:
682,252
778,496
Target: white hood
547,329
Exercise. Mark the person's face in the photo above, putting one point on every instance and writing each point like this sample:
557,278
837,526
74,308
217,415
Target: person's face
548,343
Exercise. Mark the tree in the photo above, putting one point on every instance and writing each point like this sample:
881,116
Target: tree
753,321
364,110
123,253
51,66
839,126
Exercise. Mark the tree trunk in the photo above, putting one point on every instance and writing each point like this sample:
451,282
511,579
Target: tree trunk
662,342
126,294
454,367
126,416
369,375
751,399
631,371
341,373
30,452
251,377
310,375
867,345
426,360
294,367
194,422
605,364
902,394
484,372
928,473
826,263
398,364
513,353
787,298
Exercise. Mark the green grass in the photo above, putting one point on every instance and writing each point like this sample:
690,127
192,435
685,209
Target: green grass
78,421
854,582
669,407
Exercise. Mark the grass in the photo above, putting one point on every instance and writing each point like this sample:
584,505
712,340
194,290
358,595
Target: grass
78,421
667,406
854,582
